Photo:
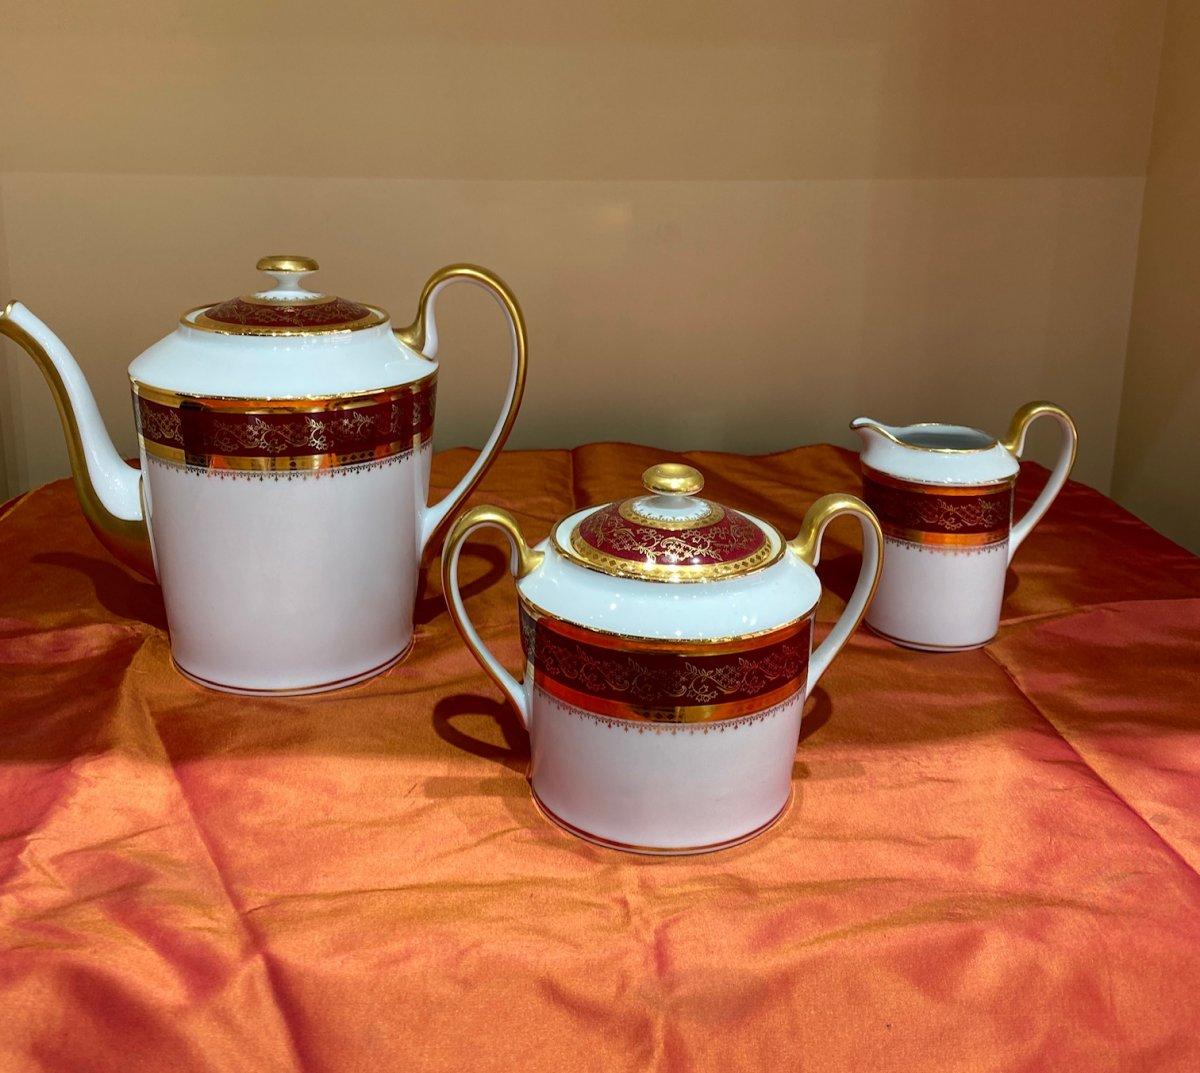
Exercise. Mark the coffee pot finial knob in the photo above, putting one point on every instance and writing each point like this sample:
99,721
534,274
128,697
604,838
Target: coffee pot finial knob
287,269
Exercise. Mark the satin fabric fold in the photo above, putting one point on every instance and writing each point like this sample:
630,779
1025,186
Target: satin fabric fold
991,861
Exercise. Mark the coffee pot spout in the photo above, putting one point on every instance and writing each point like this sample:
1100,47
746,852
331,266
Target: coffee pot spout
109,490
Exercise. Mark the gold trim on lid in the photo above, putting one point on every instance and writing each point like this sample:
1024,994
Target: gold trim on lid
195,318
673,479
713,513
662,536
287,262
581,553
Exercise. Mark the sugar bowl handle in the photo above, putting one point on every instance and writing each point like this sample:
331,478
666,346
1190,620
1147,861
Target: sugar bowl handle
523,560
1014,443
807,545
422,336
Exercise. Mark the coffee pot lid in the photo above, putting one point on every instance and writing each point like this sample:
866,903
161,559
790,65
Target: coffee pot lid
287,308
671,534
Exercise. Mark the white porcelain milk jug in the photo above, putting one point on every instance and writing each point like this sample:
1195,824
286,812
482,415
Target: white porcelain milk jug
944,498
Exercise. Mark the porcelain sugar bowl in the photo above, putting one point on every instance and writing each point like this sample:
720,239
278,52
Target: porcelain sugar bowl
668,654
285,458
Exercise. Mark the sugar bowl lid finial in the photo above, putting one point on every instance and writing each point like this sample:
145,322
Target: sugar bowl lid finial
673,479
671,534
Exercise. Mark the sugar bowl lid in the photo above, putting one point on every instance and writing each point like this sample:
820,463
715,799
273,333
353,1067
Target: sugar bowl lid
671,534
287,308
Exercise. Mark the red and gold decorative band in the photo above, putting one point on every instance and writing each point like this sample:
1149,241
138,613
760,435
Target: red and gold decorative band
285,434
254,316
665,681
938,514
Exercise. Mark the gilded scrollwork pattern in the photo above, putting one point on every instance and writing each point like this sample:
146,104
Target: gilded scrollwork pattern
691,683
159,424
721,542
247,435
932,514
249,314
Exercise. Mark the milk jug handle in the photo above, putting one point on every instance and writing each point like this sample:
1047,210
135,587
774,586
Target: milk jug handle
522,561
807,545
422,336
1014,443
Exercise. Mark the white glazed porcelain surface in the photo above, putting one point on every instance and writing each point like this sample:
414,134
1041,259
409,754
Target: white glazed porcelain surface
662,787
274,579
194,362
985,462
942,596
731,607
932,598
287,585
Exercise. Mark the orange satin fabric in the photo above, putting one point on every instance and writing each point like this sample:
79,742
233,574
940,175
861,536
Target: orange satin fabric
991,862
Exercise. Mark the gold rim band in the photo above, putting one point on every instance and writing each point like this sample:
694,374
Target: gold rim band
297,691
585,555
297,404
887,433
656,851
663,680
897,523
536,611
194,318
946,540
713,513
281,463
925,646
677,714
930,488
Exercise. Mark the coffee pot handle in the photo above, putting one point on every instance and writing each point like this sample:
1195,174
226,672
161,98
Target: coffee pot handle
422,336
807,545
1014,443
523,560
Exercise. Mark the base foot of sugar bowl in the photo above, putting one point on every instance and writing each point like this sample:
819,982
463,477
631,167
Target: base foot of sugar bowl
659,851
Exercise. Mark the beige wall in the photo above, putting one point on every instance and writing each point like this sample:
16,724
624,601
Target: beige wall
1157,471
732,226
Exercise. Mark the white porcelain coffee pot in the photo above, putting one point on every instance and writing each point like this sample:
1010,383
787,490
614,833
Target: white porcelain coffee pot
944,497
285,440
667,646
